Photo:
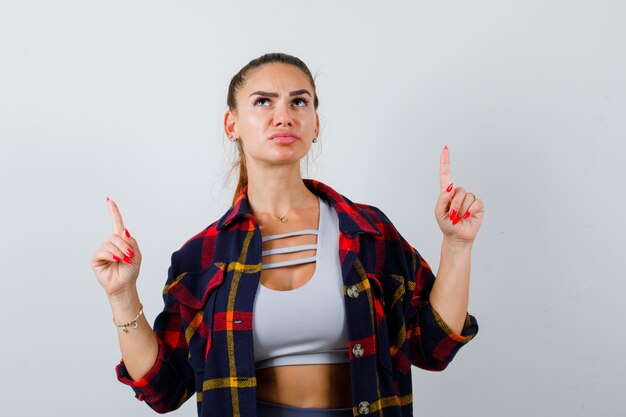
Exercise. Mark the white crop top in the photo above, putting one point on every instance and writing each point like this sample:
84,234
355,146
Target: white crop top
307,324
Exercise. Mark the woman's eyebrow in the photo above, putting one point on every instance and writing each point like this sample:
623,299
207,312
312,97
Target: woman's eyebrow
293,93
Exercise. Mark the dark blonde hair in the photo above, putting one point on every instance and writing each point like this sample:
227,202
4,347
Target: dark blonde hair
239,79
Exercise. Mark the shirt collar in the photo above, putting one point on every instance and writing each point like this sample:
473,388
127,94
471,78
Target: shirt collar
352,218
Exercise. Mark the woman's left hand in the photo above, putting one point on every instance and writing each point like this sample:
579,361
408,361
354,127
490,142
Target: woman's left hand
459,213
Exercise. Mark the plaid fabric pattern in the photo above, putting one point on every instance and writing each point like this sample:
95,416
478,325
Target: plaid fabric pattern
205,328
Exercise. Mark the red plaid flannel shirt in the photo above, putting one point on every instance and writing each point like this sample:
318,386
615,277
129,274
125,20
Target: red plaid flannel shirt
205,328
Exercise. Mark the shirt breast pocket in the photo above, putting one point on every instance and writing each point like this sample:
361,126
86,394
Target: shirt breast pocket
381,328
196,293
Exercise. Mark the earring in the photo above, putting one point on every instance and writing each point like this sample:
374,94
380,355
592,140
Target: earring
314,140
230,138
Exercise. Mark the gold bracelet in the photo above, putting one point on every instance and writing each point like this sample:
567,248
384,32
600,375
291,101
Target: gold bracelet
133,322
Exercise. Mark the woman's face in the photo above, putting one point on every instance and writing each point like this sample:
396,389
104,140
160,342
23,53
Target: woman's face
275,117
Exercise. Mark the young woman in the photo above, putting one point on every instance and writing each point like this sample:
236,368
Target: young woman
297,301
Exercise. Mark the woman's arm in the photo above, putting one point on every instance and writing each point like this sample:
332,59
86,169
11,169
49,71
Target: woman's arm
154,362
139,346
116,265
459,215
450,293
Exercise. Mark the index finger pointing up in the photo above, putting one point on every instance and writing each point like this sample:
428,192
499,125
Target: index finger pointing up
116,217
444,169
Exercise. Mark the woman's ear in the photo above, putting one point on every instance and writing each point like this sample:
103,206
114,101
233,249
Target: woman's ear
230,125
317,125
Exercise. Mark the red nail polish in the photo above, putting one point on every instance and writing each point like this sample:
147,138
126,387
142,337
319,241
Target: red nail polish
467,215
130,252
449,187
445,147
127,260
108,199
127,234
452,214
117,258
456,220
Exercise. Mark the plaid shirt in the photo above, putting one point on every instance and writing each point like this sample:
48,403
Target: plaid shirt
205,329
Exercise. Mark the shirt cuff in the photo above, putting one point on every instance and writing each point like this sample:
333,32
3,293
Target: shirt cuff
440,339
140,385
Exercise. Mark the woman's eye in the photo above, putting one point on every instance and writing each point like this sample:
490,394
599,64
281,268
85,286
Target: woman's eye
265,102
262,101
300,102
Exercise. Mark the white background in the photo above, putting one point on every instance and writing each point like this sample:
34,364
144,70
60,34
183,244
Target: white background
126,99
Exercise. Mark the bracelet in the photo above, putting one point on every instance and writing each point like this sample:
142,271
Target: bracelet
133,322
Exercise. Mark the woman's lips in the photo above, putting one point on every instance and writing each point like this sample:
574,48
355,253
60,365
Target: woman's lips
284,138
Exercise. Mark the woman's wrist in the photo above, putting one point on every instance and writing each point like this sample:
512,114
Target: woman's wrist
125,304
454,246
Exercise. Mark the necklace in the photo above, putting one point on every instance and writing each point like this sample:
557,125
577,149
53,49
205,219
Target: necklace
283,218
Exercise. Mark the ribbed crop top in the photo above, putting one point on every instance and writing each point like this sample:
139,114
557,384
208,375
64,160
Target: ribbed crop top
305,325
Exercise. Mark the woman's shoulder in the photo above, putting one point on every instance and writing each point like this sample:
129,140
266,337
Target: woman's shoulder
390,234
196,253
380,219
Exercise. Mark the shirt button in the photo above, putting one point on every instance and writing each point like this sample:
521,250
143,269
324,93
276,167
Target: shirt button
353,291
358,350
364,407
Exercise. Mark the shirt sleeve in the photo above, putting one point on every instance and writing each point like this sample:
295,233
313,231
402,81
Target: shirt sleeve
170,381
432,343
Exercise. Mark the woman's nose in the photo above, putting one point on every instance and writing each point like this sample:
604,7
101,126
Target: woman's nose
282,115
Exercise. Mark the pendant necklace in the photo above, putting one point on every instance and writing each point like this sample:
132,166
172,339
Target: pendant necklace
283,218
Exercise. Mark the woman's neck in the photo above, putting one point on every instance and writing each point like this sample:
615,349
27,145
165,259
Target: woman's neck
278,195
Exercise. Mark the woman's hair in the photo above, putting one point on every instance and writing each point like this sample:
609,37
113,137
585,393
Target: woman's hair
239,79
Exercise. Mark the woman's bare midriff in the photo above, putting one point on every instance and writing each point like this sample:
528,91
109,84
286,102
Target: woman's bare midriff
307,386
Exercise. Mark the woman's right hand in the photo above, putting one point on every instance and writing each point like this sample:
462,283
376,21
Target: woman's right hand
116,263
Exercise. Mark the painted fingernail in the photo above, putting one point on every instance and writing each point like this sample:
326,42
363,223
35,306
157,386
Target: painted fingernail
467,215
107,199
127,260
127,234
130,252
456,220
445,147
117,258
449,187
452,214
